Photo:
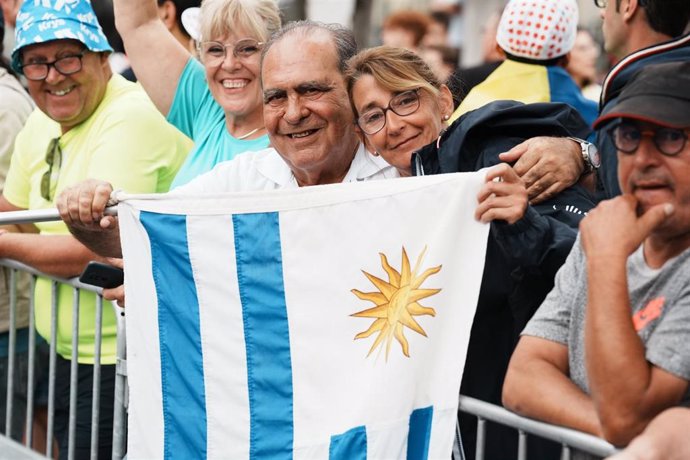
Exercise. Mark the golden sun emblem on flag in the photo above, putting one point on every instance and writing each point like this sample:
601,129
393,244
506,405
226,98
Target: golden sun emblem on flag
397,303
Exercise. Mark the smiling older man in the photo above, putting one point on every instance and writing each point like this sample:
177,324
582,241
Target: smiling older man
309,121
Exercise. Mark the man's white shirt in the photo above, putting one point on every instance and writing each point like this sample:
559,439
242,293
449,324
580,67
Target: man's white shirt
266,170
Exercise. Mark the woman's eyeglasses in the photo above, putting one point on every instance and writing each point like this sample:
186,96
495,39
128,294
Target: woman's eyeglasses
373,120
214,53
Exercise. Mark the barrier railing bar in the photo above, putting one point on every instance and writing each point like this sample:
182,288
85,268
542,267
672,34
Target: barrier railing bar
39,215
9,400
96,392
74,377
522,445
481,438
458,449
31,378
51,367
74,282
29,217
574,439
119,416
565,453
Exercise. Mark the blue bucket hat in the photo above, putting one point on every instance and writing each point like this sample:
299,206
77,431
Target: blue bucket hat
40,21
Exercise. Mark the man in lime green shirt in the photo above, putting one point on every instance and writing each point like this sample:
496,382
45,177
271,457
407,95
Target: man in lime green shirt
89,124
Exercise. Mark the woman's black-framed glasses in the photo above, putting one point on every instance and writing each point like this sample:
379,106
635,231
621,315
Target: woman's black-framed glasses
54,160
627,137
66,65
213,53
373,120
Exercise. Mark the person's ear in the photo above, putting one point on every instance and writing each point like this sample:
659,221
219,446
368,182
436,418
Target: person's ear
628,8
445,102
167,12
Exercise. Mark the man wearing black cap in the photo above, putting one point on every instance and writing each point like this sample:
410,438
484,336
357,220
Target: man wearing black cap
610,346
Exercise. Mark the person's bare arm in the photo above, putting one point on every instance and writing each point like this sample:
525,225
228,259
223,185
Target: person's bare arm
537,386
6,206
57,255
627,390
666,438
157,58
547,165
82,208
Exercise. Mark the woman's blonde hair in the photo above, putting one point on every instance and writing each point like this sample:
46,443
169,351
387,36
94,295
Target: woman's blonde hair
258,18
394,69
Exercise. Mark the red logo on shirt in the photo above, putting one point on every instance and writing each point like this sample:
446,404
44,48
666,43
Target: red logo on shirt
649,313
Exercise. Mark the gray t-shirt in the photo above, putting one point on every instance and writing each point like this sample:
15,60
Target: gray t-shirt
660,300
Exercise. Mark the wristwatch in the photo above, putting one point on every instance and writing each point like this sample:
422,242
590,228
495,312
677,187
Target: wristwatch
590,154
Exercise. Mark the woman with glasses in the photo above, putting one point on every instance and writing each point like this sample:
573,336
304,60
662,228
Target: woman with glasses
401,110
217,102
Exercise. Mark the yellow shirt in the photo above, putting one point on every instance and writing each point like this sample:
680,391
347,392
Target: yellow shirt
126,142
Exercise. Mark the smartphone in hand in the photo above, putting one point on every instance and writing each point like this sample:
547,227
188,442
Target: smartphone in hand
102,275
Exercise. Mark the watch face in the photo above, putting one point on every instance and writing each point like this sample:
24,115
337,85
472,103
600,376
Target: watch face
593,155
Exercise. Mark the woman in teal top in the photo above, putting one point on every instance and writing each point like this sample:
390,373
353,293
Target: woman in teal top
218,102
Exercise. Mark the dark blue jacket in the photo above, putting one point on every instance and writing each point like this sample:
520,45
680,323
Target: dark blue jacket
522,259
672,51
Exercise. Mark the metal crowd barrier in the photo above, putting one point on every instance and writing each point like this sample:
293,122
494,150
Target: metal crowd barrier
569,439
119,436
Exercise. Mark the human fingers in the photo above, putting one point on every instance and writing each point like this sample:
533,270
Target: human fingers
654,217
99,196
611,229
501,172
557,165
543,190
62,203
514,154
116,262
115,294
502,180
510,207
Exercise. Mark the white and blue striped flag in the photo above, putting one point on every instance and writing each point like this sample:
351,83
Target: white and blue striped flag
319,323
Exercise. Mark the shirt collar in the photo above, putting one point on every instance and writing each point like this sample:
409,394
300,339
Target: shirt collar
363,166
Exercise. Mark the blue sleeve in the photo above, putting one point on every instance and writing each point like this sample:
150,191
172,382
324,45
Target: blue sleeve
563,89
193,102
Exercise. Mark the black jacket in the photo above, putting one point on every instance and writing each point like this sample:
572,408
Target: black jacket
522,259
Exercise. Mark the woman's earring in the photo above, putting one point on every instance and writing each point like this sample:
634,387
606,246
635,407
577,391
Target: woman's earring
446,117
375,153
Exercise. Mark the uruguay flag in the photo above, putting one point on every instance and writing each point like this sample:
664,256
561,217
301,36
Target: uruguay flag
326,322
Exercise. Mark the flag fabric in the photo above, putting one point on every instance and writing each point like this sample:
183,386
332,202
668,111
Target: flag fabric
326,322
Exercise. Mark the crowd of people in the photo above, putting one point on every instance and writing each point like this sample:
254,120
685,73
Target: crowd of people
580,319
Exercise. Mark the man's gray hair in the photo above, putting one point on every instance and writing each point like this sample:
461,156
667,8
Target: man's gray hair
343,38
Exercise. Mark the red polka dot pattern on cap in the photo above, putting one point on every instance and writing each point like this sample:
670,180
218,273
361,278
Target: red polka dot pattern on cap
538,29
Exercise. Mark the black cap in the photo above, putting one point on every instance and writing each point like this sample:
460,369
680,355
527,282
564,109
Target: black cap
658,94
